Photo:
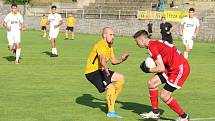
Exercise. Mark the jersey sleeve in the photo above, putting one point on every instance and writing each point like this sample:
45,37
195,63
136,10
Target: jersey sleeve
182,21
59,17
49,17
21,19
170,25
100,50
6,19
197,23
153,51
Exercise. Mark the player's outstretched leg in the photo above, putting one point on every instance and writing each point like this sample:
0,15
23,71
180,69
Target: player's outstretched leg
172,103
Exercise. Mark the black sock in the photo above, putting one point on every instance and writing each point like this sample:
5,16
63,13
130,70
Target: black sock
183,115
155,111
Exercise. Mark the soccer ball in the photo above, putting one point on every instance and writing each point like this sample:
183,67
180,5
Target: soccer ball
150,62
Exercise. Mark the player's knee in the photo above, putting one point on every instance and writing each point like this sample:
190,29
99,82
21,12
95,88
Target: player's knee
151,83
120,77
164,96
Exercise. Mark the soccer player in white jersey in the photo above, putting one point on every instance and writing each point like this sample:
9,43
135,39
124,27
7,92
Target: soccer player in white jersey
189,29
13,22
55,21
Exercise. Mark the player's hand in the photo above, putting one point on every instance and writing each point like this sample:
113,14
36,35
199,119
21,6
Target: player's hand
144,68
107,72
181,33
22,29
125,56
194,36
8,28
56,26
168,32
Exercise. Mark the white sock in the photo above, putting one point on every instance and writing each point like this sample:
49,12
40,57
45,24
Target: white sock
55,51
18,51
186,55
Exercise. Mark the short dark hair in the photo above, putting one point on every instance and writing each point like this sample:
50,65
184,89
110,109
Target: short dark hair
192,9
14,5
141,32
163,17
54,7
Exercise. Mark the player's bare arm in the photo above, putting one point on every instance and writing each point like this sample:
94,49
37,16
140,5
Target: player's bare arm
22,26
159,66
116,61
196,31
181,27
104,63
6,26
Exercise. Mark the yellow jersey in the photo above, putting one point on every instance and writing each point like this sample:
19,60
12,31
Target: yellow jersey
43,21
99,48
70,21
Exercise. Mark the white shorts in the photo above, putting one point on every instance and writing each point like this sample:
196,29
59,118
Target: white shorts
188,41
53,33
13,37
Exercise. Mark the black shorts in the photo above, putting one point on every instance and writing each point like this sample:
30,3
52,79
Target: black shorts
166,86
99,79
69,28
43,28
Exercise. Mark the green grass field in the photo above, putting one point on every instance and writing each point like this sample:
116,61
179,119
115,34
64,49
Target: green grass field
55,89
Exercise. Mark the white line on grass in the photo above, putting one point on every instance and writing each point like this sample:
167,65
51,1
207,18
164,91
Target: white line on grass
198,119
194,119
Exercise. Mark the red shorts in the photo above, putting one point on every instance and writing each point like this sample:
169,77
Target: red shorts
176,77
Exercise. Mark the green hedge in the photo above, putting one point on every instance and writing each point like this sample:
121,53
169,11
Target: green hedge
20,2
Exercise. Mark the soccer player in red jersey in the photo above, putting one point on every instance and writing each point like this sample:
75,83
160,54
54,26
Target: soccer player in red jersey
172,69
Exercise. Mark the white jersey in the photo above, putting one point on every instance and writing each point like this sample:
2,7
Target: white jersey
14,21
54,19
190,26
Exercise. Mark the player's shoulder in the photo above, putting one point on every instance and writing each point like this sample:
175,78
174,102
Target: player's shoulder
196,19
50,15
101,44
186,18
9,14
57,14
154,42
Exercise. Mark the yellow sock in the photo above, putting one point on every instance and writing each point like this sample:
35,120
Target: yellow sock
44,32
118,85
67,36
73,35
111,98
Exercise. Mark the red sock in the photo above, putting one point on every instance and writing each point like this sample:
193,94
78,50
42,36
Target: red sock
153,92
172,103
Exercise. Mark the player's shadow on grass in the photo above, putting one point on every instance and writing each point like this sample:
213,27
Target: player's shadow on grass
90,101
47,53
137,108
140,108
10,58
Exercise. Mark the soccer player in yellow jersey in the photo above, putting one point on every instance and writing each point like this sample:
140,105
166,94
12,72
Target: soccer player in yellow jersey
43,23
70,27
98,73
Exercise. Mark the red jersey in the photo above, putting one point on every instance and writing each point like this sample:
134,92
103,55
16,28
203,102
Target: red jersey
170,55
